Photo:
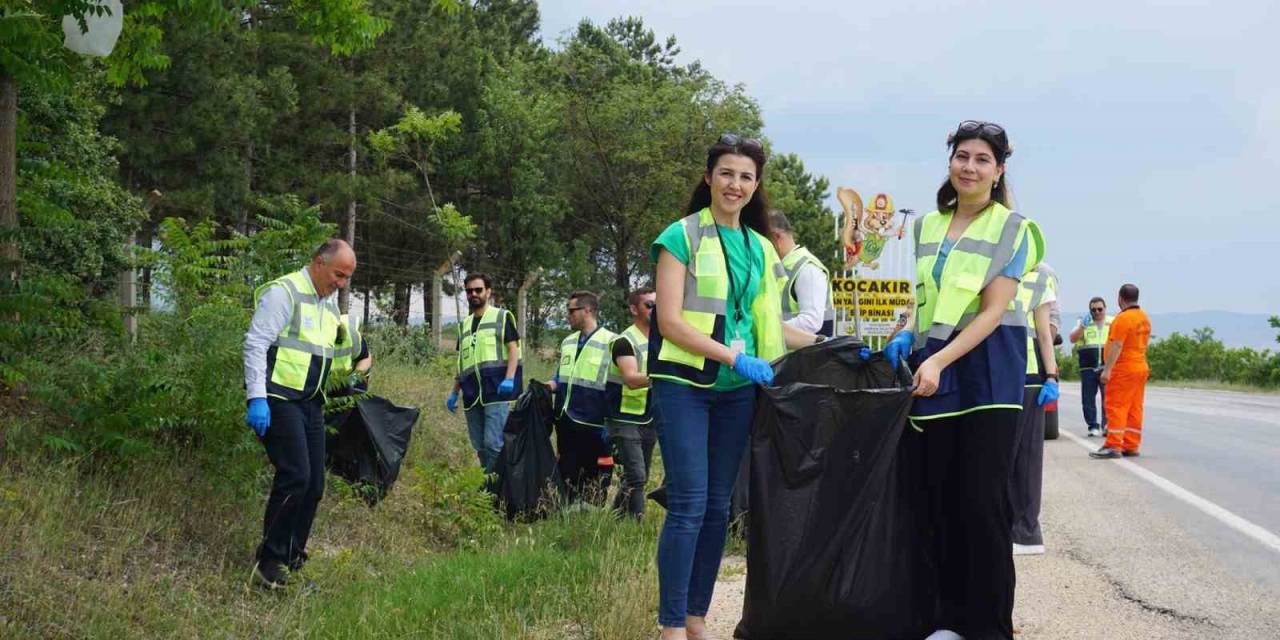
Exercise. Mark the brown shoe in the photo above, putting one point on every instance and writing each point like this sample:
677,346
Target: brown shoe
1105,453
1130,454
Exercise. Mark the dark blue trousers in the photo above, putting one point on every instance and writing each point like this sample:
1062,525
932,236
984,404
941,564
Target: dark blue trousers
295,446
1091,386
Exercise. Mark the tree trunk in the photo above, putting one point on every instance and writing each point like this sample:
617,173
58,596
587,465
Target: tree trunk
368,295
10,250
400,314
349,229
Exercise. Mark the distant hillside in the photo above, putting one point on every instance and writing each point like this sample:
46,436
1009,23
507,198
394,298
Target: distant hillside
1233,329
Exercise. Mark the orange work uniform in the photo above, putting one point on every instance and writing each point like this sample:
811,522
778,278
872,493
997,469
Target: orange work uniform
1127,385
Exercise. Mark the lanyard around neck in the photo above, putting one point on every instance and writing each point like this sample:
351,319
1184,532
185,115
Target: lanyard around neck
734,294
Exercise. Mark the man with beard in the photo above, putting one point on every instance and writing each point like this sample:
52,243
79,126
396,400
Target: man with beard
490,371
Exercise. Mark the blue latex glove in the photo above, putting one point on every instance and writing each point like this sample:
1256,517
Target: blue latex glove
1048,393
753,369
452,402
507,388
899,347
1085,320
864,353
258,416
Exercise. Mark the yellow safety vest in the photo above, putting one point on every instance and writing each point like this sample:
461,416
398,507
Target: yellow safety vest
792,262
298,361
632,404
706,300
1089,347
583,390
1031,294
482,359
347,349
993,374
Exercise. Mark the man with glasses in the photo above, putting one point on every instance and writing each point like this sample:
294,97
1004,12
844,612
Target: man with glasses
582,406
490,371
1089,337
631,429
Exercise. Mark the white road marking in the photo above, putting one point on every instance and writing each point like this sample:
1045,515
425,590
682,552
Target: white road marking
1268,539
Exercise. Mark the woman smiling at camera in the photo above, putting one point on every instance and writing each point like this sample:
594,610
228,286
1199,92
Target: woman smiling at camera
969,350
718,324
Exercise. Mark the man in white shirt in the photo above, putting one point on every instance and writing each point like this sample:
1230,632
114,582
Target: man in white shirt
807,302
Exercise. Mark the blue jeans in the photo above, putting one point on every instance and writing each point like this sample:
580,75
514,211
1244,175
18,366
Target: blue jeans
484,426
1090,386
703,434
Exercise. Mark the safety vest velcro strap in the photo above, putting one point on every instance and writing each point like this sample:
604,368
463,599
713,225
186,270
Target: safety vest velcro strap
285,342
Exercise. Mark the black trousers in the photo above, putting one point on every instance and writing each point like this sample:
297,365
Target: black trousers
968,462
1028,470
633,448
295,446
586,465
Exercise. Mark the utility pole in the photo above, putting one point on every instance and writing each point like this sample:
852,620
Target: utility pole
349,230
437,292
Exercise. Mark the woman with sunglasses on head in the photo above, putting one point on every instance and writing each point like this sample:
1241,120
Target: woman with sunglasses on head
717,324
969,351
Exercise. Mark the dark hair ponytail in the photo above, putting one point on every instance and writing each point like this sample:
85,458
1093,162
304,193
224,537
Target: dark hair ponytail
755,214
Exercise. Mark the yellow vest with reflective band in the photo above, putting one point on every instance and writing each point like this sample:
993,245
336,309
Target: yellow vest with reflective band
706,301
298,361
1031,294
346,349
632,404
792,262
583,389
482,358
993,374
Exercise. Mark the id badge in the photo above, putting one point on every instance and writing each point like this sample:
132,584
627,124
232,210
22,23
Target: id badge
738,345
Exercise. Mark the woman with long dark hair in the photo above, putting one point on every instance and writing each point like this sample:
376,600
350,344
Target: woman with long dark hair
718,323
969,350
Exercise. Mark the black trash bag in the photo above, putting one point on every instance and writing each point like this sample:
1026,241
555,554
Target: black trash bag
837,535
369,445
525,479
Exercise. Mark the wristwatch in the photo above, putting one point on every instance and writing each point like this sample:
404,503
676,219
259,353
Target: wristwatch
1052,375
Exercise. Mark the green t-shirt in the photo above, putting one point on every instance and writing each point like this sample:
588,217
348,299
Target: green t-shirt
672,239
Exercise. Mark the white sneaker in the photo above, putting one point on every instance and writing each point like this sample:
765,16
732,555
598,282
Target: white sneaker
944,634
1095,432
1028,549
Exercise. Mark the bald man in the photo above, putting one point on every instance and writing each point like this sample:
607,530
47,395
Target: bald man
288,352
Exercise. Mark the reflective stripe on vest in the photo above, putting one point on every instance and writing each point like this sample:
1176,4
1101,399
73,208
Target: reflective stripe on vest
706,295
482,358
632,404
1032,293
792,263
346,351
993,374
298,361
583,390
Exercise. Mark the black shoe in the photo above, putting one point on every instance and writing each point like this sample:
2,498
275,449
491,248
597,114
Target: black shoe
298,561
1130,454
270,575
1105,453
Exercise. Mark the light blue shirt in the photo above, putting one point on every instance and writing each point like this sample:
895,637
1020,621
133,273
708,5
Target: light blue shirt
270,317
1011,270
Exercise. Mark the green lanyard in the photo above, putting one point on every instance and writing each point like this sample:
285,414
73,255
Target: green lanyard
734,294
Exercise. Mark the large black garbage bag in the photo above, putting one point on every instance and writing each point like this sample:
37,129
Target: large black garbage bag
525,477
837,537
369,445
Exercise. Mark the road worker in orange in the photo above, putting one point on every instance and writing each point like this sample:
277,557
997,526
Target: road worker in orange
1125,374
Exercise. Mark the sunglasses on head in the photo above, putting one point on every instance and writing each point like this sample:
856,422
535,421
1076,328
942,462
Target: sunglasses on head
980,128
735,140
475,290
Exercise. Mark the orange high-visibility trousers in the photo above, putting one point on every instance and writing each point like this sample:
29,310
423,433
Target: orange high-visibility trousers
1126,390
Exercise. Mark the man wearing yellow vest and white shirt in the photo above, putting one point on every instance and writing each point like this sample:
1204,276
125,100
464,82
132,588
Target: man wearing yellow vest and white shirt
632,431
490,371
807,304
582,406
288,352
1089,336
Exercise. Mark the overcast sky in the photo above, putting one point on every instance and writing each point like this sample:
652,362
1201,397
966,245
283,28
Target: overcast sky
1147,135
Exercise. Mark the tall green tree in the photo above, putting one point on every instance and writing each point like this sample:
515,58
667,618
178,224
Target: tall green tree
802,196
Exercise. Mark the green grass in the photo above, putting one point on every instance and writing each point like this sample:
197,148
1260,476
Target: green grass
164,550
1213,385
